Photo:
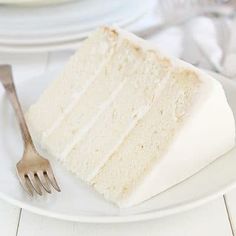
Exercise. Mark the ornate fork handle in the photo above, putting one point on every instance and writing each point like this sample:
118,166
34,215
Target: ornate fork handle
8,83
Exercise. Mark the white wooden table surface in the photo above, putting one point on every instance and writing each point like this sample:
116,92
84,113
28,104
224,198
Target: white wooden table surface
215,218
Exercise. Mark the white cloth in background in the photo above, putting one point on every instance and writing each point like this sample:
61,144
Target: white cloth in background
197,41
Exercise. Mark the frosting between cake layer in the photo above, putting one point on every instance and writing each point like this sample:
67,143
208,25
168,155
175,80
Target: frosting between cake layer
81,68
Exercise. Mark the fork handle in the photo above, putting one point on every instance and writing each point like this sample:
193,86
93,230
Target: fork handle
6,79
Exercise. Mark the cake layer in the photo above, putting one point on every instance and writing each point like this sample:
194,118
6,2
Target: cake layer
121,114
62,94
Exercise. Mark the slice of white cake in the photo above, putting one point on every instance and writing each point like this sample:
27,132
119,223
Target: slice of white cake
129,120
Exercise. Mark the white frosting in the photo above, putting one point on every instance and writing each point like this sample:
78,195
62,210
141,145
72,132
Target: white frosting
207,134
91,123
74,99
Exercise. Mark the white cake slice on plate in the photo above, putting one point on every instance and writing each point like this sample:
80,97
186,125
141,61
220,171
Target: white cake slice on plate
129,120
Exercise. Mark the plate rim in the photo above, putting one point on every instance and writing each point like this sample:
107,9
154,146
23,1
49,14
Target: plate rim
121,219
72,34
181,207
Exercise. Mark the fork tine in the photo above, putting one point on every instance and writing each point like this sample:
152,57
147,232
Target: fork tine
50,175
34,183
43,181
25,184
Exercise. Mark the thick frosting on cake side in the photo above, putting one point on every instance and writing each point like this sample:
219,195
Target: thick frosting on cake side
129,120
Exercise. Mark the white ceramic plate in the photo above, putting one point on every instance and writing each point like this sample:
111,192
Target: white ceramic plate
54,47
78,202
73,41
22,25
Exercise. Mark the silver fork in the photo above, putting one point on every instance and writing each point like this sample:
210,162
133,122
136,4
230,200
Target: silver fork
34,171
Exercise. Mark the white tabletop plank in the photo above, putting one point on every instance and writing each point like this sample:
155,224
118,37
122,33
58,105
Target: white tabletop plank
210,219
9,216
231,205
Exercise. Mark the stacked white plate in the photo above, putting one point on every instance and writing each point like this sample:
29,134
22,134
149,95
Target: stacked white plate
61,26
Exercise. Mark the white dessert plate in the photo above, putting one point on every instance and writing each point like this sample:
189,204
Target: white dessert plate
27,41
33,25
53,47
77,202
